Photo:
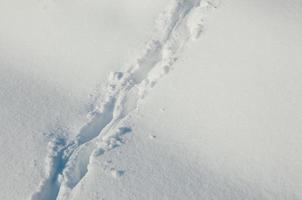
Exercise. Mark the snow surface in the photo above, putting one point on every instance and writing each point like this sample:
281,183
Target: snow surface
180,99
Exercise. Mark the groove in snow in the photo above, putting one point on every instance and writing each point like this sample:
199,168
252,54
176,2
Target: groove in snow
68,162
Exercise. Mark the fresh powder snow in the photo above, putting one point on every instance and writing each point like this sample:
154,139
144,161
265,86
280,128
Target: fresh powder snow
153,99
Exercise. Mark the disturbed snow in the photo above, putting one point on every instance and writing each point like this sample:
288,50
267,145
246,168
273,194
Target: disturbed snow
68,159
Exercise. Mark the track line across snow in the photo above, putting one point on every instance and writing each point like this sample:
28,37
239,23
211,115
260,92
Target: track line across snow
68,161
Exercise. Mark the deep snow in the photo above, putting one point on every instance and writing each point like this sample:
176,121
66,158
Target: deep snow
209,108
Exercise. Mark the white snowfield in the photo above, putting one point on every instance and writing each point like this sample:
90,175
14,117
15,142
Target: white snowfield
204,100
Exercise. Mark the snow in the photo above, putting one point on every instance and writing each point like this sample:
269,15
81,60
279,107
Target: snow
202,99
50,65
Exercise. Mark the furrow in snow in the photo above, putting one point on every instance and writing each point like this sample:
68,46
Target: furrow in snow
68,162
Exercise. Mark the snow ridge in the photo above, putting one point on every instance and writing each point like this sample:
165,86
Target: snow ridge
69,161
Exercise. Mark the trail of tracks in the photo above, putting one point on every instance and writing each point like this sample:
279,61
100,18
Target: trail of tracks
68,162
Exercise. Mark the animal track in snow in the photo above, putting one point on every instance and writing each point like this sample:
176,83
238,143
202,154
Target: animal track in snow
117,173
69,161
